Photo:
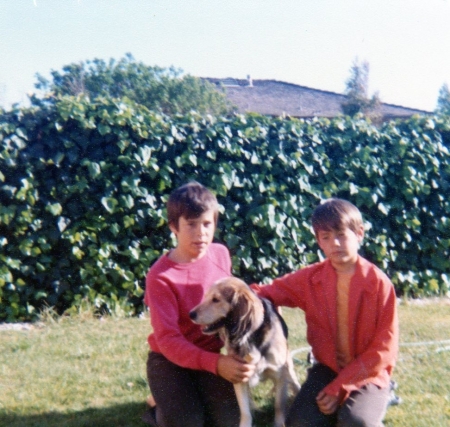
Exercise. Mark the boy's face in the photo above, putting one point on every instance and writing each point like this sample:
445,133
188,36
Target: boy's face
194,236
341,247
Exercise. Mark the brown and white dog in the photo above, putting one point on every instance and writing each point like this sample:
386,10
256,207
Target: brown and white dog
252,329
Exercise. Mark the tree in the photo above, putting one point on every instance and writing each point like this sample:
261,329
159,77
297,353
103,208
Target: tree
161,89
357,92
443,102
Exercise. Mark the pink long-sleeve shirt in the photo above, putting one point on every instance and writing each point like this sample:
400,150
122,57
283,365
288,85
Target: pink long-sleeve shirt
372,321
171,291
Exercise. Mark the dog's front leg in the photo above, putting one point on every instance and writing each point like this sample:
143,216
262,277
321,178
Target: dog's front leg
281,402
242,391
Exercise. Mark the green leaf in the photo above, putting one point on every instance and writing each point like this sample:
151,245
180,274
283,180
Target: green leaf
110,204
55,209
128,221
94,169
103,129
77,252
127,201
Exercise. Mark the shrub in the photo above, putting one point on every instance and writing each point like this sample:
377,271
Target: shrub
83,187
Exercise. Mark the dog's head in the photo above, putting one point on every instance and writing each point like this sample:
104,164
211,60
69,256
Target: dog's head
231,304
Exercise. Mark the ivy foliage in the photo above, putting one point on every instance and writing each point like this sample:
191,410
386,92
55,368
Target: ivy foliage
83,186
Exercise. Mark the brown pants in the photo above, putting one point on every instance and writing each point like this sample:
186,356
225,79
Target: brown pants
365,407
190,398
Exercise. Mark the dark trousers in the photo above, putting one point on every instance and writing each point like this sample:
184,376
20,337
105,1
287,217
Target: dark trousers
190,398
365,407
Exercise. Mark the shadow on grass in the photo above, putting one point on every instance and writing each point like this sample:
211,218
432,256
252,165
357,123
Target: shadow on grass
264,415
127,415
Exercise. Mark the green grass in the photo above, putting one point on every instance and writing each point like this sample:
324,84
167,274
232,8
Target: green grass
82,371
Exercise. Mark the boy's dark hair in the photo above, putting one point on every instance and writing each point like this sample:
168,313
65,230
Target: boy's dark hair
336,214
190,201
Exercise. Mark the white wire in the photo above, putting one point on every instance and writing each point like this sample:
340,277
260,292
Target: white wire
300,350
405,344
424,343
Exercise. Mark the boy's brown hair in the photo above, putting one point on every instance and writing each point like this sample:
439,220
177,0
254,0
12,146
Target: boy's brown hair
336,214
190,201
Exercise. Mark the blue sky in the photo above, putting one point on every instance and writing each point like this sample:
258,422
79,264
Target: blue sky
307,42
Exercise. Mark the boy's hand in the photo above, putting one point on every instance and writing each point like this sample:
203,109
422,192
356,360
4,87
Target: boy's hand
327,403
234,369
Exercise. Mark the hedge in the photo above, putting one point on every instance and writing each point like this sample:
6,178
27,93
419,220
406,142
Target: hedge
83,187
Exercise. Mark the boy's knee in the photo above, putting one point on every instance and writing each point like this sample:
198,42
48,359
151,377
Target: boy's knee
364,408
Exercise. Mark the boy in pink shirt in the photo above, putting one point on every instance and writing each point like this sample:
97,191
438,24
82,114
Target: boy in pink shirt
352,325
191,382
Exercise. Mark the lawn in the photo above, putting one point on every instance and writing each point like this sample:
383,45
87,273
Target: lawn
82,371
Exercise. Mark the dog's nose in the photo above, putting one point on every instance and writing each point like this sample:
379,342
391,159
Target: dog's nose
192,315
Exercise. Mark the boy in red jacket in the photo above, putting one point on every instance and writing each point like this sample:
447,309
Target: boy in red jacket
191,382
352,326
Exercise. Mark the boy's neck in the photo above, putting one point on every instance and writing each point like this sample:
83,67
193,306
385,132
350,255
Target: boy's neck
345,269
181,258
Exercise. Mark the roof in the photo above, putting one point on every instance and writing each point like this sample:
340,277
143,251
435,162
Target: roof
276,98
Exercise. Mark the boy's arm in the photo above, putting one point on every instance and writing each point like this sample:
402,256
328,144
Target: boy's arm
284,291
327,403
381,353
234,369
171,342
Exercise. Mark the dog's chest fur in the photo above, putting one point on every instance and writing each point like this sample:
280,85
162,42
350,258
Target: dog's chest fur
256,343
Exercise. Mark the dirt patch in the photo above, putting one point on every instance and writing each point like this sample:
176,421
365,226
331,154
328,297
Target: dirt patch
19,326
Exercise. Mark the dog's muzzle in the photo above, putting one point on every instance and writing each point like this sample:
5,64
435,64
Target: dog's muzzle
208,329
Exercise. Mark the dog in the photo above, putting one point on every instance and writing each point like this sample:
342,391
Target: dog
252,329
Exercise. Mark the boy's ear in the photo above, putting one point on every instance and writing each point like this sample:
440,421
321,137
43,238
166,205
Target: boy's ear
173,229
360,234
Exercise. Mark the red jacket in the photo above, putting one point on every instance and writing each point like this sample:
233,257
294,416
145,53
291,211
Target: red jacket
373,322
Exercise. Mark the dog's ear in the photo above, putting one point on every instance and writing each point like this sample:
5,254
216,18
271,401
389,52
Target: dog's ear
229,293
242,315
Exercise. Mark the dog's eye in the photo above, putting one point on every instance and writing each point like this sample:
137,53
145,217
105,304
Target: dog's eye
215,299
